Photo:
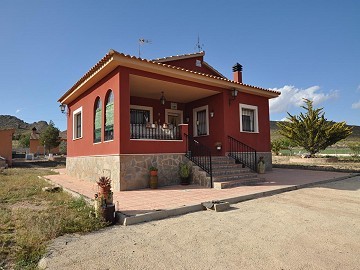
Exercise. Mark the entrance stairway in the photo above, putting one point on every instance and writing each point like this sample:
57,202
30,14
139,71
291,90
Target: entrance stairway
227,174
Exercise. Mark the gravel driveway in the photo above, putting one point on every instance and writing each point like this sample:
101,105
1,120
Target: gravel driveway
313,228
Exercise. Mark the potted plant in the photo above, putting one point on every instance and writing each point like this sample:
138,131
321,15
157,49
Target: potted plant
104,184
153,171
153,177
261,165
184,173
104,200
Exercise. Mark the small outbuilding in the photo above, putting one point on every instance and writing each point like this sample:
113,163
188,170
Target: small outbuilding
6,145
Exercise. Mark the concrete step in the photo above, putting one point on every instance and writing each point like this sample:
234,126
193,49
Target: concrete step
230,171
239,182
222,160
229,177
227,166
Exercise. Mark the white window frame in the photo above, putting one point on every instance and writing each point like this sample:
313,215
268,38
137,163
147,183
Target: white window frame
206,108
144,108
256,117
170,111
75,113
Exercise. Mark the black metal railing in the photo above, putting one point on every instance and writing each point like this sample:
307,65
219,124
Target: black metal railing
154,132
242,153
199,154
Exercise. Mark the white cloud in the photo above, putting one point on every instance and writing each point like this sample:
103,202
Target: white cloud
293,97
18,110
356,105
358,88
285,119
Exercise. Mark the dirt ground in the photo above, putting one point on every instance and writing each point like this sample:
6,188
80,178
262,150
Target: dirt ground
341,165
312,228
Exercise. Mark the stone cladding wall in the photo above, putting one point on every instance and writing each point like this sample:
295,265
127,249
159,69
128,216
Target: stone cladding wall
92,167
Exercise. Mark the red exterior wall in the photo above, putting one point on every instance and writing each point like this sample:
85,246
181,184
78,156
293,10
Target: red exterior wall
36,148
85,145
225,121
260,141
216,124
6,144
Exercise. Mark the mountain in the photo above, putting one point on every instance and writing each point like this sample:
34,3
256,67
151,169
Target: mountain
355,136
9,121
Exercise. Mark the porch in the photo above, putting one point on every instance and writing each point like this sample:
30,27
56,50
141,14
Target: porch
151,204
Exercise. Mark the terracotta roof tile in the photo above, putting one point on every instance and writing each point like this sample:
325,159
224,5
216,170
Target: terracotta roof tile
177,57
112,52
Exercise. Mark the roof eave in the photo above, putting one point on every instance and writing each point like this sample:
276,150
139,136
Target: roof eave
114,59
178,57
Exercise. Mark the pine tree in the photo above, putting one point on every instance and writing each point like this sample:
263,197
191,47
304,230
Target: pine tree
50,137
312,131
24,140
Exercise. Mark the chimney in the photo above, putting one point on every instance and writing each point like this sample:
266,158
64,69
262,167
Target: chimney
237,71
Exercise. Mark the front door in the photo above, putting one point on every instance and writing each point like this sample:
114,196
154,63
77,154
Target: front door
174,117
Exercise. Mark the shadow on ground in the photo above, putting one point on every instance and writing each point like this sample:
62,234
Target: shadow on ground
39,164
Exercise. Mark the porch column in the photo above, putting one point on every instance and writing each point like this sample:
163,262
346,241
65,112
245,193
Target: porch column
124,111
184,129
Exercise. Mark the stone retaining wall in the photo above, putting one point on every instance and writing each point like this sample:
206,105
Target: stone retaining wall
134,170
128,172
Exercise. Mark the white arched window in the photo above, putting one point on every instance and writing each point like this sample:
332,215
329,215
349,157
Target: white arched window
109,116
97,120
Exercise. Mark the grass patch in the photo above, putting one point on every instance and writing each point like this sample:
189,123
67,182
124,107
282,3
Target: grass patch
29,217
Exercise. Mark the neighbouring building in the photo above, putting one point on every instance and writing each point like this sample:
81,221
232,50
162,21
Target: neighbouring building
6,145
37,148
127,113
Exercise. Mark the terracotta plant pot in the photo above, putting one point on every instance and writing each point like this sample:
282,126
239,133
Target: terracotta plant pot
184,181
104,190
153,183
153,173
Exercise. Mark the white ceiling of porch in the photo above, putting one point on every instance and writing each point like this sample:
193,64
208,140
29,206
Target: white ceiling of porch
151,88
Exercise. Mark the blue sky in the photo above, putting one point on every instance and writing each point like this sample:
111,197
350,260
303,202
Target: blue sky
302,48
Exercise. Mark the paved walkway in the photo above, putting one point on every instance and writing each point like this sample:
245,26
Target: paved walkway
132,203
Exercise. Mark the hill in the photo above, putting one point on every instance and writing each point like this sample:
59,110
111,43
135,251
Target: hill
9,121
355,136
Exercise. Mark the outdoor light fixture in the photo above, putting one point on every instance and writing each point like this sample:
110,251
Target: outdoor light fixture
212,114
162,98
234,94
62,108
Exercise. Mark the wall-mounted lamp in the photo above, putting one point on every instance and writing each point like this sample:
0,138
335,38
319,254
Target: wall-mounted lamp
234,94
212,114
162,98
218,146
187,119
62,108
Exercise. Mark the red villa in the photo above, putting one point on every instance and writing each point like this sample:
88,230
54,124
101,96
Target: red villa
127,114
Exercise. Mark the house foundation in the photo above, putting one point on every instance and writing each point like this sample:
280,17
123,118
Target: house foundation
128,172
92,167
131,172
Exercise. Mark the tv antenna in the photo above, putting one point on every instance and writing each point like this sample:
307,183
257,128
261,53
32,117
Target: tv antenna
198,45
142,41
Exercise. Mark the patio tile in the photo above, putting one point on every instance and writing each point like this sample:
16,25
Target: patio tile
170,197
